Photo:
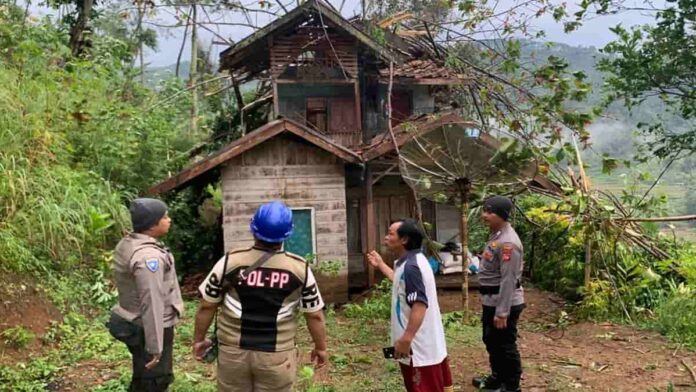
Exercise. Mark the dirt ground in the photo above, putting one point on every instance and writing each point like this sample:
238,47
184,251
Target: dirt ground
22,304
582,356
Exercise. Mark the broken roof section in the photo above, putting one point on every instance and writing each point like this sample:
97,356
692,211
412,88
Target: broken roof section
424,71
251,55
417,60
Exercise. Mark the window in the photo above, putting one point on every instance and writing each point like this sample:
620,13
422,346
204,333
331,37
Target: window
302,241
316,113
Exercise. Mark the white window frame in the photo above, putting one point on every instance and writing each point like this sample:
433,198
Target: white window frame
314,229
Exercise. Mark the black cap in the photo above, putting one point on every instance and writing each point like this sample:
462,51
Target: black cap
146,213
499,205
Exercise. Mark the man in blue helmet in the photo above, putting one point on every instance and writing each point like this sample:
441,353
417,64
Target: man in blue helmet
261,289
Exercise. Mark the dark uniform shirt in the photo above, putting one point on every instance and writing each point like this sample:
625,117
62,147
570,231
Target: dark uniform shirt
501,266
259,312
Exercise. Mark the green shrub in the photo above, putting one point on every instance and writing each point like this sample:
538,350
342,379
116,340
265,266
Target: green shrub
377,307
674,318
17,337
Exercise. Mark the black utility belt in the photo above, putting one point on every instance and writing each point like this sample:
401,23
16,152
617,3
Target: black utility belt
492,290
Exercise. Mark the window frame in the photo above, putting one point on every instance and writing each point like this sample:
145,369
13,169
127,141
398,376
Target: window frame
312,216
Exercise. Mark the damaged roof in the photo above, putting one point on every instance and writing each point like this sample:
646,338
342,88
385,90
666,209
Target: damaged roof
422,71
253,50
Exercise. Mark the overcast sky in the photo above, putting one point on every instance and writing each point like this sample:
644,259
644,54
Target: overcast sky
594,32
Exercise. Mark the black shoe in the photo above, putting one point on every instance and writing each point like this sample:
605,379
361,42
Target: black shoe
487,382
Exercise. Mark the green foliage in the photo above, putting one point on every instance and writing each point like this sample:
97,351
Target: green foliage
554,249
651,60
78,139
196,236
329,268
33,376
674,317
376,307
17,336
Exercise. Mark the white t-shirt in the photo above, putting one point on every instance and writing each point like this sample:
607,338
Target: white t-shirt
414,282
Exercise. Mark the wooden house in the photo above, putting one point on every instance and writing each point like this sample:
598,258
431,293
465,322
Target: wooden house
326,150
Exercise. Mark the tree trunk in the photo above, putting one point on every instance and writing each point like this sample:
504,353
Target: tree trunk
183,43
78,41
141,14
193,77
464,235
588,262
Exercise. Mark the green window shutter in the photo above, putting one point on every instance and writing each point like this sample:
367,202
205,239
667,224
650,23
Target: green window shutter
302,240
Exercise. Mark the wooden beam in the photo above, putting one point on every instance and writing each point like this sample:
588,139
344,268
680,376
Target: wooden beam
370,224
315,81
383,174
358,109
276,104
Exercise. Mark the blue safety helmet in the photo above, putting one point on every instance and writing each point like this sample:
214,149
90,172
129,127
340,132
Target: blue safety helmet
272,222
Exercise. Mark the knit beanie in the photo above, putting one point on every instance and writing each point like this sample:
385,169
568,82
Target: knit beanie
146,213
499,205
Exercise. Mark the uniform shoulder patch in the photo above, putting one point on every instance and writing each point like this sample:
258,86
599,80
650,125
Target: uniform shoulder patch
152,264
507,251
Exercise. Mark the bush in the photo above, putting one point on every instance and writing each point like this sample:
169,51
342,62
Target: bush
675,319
377,307
17,337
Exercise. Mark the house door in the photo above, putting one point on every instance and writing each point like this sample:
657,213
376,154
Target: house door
387,210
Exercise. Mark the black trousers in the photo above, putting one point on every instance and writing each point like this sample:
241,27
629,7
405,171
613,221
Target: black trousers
501,345
158,378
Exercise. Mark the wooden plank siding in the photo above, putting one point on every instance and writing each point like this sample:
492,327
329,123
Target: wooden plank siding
301,175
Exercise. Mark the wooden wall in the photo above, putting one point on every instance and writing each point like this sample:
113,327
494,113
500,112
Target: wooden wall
301,175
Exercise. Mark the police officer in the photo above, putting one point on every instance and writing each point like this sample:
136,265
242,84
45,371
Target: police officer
502,297
258,292
149,299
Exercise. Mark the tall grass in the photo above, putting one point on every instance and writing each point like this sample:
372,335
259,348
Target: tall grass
51,215
76,141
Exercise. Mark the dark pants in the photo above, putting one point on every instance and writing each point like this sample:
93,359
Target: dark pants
501,345
156,379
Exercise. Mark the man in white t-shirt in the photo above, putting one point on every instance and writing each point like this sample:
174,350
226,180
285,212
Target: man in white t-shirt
416,324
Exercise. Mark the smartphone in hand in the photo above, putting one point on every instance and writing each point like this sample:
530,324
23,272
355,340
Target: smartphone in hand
389,352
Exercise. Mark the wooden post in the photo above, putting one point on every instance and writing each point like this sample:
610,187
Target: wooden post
276,104
274,81
370,224
358,109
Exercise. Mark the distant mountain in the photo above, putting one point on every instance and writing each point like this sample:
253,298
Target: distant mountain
155,75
